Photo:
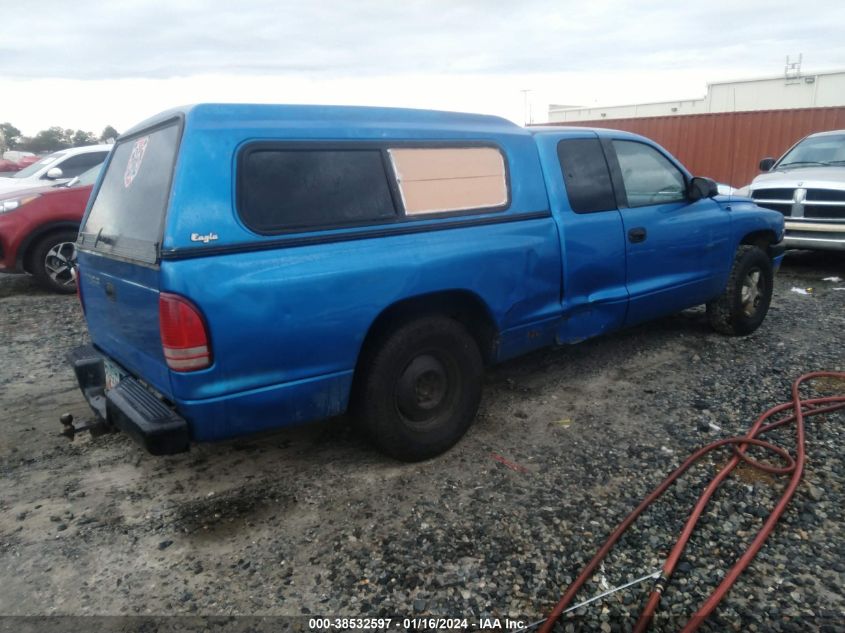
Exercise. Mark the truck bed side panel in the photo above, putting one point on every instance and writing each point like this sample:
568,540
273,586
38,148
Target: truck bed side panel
296,314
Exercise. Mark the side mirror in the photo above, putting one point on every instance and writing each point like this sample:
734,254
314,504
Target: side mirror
54,173
766,164
702,188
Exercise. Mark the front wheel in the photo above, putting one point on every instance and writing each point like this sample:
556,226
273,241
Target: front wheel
419,388
53,261
741,308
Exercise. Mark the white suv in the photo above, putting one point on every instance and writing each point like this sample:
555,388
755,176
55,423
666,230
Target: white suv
56,168
807,185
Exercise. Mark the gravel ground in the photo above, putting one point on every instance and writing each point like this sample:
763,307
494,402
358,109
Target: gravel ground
314,521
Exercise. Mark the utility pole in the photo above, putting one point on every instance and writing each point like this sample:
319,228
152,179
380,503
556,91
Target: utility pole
526,107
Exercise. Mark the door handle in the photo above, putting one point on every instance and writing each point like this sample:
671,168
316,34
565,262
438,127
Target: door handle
637,234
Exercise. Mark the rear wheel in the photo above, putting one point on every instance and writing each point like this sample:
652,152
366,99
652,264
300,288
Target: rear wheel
419,388
53,262
743,305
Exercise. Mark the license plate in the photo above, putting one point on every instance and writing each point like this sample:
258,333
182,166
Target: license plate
113,374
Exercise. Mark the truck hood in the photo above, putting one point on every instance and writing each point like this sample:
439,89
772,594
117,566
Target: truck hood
26,190
16,185
807,177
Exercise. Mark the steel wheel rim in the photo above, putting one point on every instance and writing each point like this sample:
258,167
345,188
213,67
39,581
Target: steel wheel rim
752,292
60,262
425,389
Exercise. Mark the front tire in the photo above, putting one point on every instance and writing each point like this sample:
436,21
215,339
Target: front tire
420,388
53,259
741,308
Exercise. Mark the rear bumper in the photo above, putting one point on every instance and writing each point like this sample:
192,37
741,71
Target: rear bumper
129,406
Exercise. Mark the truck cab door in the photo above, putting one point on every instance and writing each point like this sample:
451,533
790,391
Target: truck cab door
677,250
593,292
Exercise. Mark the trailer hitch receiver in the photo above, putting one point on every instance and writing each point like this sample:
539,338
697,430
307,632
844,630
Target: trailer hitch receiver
94,426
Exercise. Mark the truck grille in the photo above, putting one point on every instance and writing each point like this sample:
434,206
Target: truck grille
827,211
818,204
826,195
774,194
774,199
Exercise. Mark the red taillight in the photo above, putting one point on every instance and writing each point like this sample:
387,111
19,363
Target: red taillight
183,334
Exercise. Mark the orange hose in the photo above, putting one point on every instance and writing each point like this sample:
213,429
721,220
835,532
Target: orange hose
793,466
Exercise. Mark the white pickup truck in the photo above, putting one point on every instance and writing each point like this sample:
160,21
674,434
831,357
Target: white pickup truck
807,185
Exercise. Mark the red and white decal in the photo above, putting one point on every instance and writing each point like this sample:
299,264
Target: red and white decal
135,158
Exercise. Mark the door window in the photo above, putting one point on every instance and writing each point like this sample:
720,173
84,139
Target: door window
649,177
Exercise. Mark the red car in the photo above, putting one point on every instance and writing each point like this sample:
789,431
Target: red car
8,166
26,161
38,230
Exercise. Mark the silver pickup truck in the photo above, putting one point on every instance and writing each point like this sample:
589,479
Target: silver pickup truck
807,185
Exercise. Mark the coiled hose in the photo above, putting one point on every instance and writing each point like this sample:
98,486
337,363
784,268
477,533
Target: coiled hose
793,466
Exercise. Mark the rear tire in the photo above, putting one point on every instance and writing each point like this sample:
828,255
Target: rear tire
52,260
419,388
743,305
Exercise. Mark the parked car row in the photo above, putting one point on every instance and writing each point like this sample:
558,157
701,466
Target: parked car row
56,168
9,166
440,241
41,207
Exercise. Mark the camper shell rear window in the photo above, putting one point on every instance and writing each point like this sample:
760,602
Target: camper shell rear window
127,216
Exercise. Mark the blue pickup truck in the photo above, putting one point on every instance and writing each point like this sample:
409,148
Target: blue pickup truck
248,267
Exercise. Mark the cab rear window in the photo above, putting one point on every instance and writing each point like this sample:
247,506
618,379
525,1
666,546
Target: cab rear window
586,175
127,215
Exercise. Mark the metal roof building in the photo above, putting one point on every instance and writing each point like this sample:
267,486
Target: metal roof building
725,134
787,91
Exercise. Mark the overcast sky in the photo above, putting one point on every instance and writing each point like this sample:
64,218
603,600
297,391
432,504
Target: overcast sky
85,64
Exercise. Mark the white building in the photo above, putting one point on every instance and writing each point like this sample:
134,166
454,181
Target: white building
791,90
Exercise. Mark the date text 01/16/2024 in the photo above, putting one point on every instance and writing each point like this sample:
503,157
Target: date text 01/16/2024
416,623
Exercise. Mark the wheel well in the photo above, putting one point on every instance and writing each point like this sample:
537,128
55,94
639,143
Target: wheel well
27,249
761,239
462,305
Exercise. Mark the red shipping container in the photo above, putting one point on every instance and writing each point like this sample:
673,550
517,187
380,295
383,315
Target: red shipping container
728,146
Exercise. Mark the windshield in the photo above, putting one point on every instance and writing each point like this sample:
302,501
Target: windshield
127,215
816,150
35,167
88,177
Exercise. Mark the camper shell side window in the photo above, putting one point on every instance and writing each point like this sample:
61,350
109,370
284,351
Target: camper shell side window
295,187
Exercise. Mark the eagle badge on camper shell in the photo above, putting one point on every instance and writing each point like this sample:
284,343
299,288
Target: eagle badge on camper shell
135,158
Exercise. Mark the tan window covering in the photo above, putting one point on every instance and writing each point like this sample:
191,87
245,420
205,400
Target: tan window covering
439,180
